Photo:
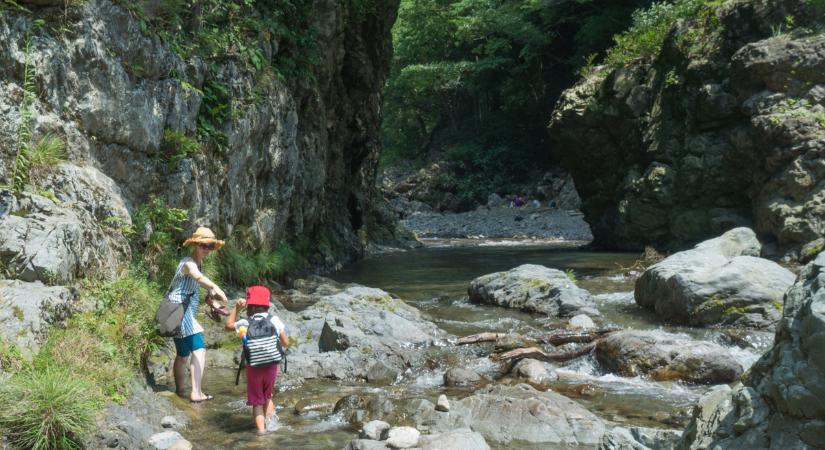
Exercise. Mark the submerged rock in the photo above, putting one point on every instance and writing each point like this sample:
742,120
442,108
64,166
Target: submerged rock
532,288
720,281
632,353
780,405
639,438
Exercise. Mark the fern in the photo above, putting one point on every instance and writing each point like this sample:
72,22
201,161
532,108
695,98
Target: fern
20,175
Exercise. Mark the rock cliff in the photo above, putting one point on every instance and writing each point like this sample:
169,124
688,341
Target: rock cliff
296,154
723,128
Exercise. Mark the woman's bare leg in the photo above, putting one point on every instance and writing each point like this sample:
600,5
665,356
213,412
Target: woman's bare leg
196,368
179,371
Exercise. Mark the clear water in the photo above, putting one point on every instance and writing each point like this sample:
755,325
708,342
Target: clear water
435,280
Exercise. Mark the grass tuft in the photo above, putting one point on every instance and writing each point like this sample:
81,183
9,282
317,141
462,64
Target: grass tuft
46,409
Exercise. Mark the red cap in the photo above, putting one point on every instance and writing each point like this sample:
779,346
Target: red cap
257,296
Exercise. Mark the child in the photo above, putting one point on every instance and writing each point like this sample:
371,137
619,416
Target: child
261,332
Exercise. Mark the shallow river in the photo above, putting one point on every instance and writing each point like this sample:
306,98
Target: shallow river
435,280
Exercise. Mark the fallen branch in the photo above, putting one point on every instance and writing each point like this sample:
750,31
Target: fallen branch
565,337
541,355
480,337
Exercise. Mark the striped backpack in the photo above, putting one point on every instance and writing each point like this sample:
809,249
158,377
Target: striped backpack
263,346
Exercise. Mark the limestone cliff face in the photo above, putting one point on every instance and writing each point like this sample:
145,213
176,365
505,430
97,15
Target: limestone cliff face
299,157
724,128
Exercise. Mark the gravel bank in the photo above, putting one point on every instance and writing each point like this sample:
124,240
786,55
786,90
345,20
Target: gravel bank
501,223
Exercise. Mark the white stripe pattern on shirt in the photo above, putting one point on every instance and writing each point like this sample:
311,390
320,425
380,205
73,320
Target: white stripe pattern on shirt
181,287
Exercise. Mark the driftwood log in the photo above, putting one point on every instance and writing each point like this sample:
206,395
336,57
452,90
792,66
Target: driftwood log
528,350
556,339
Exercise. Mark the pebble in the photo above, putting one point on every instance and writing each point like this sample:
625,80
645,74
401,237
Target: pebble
443,404
170,422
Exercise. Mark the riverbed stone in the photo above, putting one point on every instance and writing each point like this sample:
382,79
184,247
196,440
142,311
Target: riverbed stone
366,444
381,373
460,377
534,371
639,438
403,437
531,288
720,281
442,404
581,321
667,357
165,440
460,439
375,430
779,405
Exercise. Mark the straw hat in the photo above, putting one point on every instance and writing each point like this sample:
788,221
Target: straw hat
203,235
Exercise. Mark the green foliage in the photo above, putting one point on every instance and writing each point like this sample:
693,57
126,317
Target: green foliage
643,40
219,29
11,360
46,409
178,146
214,112
242,262
158,253
32,157
571,274
481,76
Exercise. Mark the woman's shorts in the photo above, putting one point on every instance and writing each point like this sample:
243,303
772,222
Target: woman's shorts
185,346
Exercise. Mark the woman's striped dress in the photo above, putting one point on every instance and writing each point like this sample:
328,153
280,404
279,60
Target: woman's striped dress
181,287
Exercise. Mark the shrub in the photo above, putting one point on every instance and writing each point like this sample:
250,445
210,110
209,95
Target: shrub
11,360
178,146
46,409
644,39
159,253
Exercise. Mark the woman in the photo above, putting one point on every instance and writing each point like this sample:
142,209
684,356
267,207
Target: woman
185,286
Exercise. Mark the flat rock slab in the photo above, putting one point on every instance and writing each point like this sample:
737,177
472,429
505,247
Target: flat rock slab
720,281
666,357
521,413
461,439
532,288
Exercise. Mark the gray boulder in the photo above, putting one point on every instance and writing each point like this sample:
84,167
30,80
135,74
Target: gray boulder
41,240
720,281
780,405
510,415
533,371
460,377
460,439
662,357
28,310
532,288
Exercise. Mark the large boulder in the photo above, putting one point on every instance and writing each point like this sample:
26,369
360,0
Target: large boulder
514,415
780,405
28,310
639,438
662,357
532,288
56,243
720,281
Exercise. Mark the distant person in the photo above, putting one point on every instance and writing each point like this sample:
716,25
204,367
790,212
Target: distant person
264,343
189,344
518,202
536,204
552,204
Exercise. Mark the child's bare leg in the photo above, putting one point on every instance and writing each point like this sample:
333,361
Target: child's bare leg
270,408
258,414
